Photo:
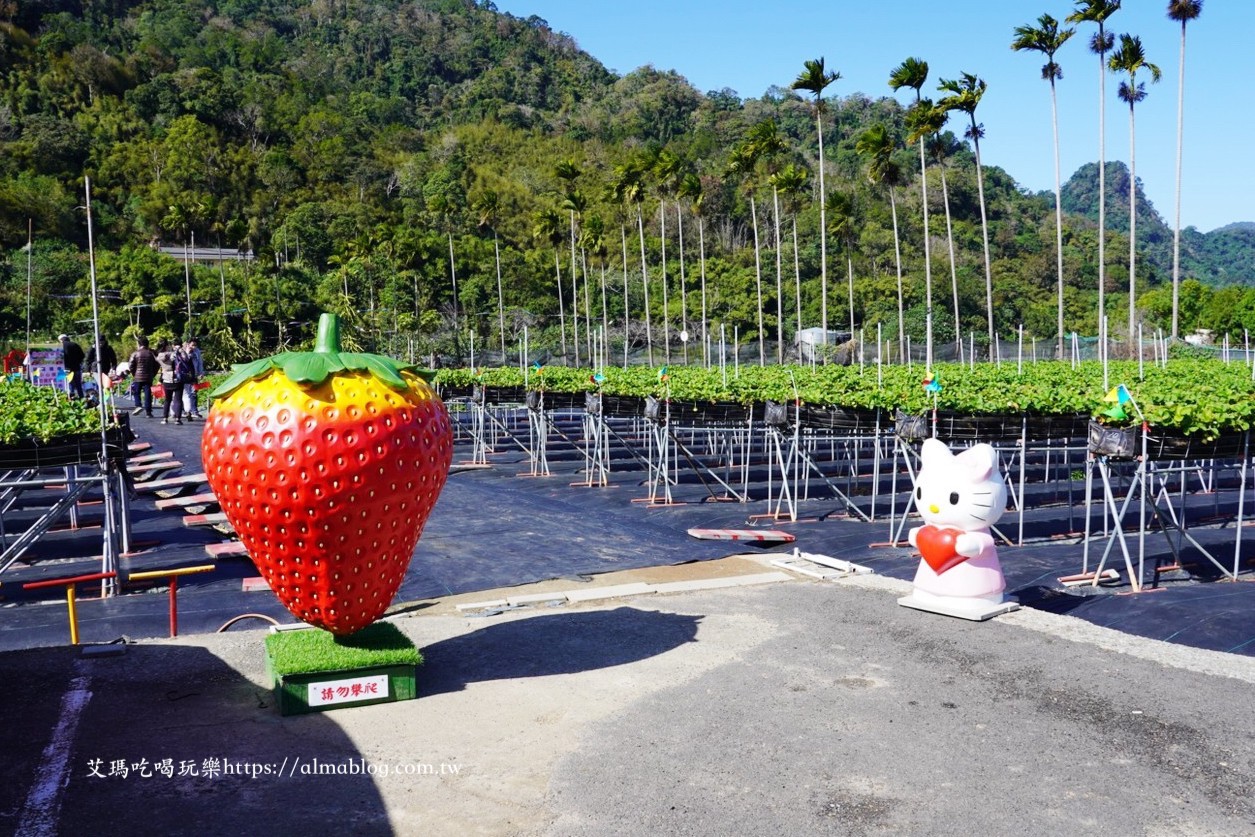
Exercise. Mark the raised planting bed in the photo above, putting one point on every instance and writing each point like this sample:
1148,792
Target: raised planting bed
1126,443
312,670
57,452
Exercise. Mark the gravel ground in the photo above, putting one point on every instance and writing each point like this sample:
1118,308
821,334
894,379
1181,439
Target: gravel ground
800,707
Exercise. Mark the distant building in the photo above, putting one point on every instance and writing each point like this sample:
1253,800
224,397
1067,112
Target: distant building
809,339
206,255
1202,337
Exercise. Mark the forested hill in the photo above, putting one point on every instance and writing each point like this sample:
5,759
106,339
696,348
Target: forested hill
297,99
1221,257
438,172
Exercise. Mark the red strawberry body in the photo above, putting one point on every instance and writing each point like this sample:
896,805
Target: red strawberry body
328,484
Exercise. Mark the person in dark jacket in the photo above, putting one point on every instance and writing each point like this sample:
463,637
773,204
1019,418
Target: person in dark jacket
101,357
144,368
72,362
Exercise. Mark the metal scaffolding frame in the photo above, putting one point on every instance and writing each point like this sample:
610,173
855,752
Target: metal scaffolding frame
1148,484
103,468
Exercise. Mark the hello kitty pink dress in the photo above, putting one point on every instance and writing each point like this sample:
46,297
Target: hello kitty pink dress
960,498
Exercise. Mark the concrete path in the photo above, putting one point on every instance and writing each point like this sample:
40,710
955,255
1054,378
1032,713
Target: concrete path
800,707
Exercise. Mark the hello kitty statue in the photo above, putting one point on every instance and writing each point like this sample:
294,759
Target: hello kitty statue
960,498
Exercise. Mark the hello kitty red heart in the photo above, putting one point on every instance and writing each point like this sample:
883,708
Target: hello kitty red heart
936,544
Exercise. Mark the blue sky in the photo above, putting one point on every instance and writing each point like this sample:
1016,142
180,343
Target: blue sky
750,46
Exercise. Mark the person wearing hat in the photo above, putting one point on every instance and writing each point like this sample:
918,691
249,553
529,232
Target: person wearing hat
72,361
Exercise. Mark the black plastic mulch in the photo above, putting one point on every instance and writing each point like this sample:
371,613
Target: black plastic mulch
493,528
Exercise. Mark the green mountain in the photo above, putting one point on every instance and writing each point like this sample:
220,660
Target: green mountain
1225,256
448,178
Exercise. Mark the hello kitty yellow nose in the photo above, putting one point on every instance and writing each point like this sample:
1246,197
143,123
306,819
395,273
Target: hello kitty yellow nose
932,507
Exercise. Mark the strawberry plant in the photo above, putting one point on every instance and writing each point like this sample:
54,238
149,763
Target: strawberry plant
328,463
41,413
1203,398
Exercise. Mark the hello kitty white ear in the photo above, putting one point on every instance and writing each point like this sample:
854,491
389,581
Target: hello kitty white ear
935,454
978,461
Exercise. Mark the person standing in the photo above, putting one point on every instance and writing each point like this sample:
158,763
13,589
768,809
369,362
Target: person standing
144,369
72,362
101,361
102,358
168,358
195,371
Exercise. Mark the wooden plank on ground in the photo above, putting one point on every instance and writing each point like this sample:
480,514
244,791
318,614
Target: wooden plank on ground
172,483
217,521
149,457
757,535
148,471
223,550
189,501
194,520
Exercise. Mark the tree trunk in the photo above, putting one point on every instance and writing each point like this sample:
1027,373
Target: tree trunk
954,273
797,284
758,284
1176,233
701,243
666,317
684,303
557,267
1054,119
823,229
897,256
1132,226
1102,190
627,307
775,197
984,231
575,296
928,262
649,336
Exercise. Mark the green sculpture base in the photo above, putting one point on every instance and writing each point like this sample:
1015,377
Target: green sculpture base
312,670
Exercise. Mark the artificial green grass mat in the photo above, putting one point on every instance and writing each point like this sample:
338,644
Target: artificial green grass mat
306,651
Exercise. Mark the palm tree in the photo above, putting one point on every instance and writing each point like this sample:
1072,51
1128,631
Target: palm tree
628,187
547,225
1047,38
965,95
1097,11
940,149
790,181
742,163
1183,11
814,80
877,145
913,72
923,121
1130,58
486,207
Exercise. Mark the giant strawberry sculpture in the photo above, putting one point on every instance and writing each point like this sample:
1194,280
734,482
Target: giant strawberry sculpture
328,463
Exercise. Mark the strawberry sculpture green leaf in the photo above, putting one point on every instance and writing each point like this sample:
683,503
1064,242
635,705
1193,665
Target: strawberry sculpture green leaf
328,463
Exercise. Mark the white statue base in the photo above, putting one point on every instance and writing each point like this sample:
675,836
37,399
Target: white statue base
974,609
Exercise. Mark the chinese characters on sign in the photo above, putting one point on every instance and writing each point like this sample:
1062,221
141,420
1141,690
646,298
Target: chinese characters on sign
328,692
